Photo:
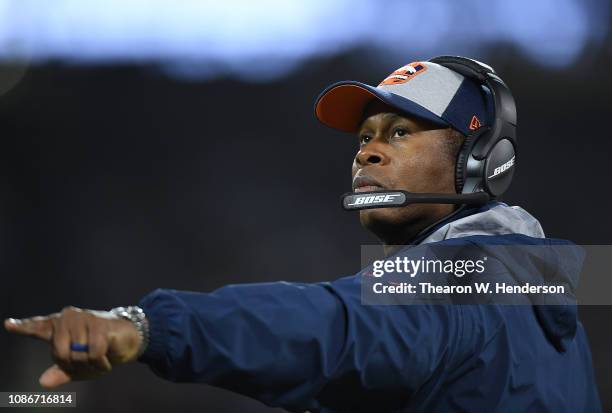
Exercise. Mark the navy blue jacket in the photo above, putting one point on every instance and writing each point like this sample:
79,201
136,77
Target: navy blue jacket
315,346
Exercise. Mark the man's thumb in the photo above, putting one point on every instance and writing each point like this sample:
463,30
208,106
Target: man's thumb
53,377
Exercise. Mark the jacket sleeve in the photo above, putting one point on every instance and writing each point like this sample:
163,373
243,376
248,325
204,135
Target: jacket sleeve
299,346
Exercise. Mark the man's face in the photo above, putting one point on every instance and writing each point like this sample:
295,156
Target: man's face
397,152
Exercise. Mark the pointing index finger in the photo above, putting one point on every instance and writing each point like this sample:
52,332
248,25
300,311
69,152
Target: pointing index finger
38,327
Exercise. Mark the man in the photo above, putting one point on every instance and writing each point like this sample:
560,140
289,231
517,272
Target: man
318,347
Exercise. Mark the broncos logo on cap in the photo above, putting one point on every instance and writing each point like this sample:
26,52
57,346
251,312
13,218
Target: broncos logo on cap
404,73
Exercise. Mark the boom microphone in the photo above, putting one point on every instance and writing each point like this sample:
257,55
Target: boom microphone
355,201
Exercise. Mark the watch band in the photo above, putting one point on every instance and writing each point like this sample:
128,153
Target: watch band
137,316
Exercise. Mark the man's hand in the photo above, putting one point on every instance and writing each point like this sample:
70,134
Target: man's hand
110,340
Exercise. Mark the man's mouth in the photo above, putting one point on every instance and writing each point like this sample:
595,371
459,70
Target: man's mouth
365,183
369,188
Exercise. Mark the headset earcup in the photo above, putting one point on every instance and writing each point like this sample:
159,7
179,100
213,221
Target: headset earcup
464,155
461,164
499,167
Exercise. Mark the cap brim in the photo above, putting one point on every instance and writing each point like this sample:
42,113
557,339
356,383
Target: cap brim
342,105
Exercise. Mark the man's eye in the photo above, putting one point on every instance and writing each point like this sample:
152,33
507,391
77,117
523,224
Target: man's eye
364,139
398,132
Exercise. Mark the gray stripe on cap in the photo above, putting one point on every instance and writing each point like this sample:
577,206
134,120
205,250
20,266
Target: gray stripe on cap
433,89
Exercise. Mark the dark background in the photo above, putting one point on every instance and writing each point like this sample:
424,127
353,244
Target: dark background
117,180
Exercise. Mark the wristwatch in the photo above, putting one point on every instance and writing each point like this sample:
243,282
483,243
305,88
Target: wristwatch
135,314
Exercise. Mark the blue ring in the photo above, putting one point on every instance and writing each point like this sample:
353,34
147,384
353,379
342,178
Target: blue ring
79,347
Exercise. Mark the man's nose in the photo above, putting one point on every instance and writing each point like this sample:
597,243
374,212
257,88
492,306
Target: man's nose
369,155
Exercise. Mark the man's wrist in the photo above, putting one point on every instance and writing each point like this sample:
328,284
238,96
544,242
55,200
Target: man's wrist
139,319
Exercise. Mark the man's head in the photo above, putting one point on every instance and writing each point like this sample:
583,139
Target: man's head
410,129
399,151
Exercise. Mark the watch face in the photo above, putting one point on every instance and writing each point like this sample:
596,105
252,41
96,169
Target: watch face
132,313
121,312
135,312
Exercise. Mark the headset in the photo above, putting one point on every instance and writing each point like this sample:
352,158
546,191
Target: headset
486,161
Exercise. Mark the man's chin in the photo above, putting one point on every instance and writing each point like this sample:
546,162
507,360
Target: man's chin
384,222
